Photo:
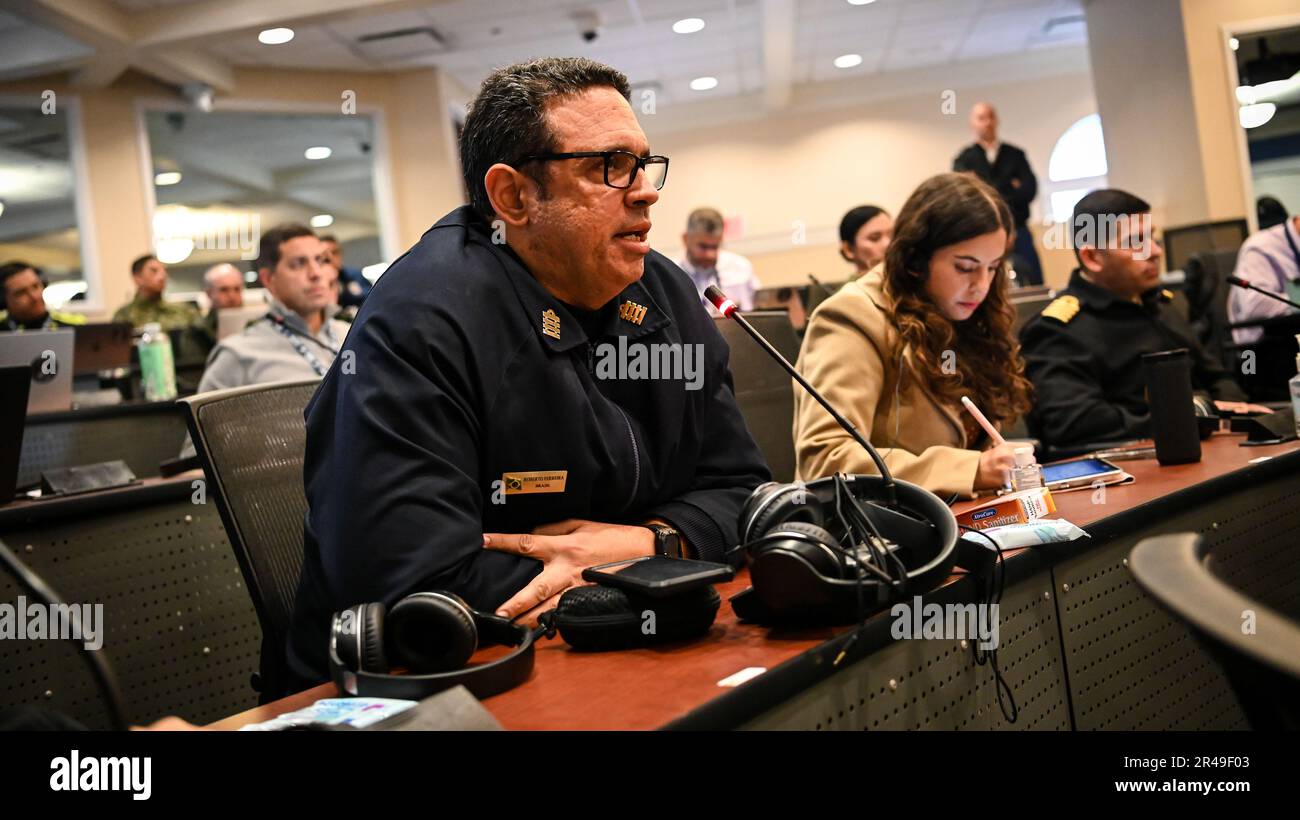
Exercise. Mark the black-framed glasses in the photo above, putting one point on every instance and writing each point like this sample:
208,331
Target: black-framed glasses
620,166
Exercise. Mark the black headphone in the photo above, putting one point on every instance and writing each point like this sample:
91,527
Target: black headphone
816,551
432,635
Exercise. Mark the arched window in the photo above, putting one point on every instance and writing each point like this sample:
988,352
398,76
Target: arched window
1077,166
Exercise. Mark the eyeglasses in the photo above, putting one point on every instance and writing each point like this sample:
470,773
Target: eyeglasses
620,166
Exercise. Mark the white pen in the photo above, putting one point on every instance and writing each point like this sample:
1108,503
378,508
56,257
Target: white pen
984,422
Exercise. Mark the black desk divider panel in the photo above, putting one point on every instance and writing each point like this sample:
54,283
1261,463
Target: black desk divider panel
178,624
936,684
142,435
1131,665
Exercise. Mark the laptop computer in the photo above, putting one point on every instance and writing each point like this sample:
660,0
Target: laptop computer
233,320
47,355
15,383
102,346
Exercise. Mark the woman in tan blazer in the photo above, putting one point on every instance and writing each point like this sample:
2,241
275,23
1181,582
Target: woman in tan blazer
896,349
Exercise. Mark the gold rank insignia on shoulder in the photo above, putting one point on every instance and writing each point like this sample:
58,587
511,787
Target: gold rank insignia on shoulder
1166,295
1062,308
632,312
550,323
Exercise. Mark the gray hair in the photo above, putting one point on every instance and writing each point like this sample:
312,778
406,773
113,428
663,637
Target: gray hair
705,221
215,272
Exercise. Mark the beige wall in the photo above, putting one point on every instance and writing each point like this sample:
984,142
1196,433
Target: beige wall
800,171
1204,23
422,168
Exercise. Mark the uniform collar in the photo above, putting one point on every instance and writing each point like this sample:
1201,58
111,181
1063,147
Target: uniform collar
551,319
1099,299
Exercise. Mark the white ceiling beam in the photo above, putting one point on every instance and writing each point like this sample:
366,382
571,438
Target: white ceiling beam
180,66
778,52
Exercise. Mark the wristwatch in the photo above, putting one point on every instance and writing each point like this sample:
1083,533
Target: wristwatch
668,541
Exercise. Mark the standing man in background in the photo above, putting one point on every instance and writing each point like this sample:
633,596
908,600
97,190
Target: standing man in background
148,306
707,263
1006,168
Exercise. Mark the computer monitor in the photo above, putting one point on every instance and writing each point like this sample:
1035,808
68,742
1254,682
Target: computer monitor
47,354
15,383
102,346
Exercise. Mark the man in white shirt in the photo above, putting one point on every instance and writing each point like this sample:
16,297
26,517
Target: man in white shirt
707,263
298,338
1269,259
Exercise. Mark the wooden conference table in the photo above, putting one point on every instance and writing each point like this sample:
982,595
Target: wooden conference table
1082,647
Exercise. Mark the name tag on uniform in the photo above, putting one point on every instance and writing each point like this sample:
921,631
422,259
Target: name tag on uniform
536,481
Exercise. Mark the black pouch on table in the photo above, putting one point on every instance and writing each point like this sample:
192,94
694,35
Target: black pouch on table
596,618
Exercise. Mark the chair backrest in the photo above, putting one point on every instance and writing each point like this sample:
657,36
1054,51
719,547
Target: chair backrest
1231,602
1207,300
1182,241
764,391
251,441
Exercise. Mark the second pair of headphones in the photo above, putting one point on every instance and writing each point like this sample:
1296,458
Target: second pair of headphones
818,550
432,635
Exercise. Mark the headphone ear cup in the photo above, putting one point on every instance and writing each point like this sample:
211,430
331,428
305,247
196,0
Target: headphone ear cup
785,503
431,632
822,555
371,632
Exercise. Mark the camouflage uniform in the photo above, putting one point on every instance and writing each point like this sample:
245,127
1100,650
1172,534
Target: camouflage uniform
170,315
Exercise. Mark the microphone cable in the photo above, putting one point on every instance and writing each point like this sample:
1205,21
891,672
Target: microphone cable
996,586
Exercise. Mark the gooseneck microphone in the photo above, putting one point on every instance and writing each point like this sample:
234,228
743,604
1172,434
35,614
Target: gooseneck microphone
99,668
1242,283
730,310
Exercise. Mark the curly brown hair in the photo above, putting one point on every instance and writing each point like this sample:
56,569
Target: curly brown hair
942,211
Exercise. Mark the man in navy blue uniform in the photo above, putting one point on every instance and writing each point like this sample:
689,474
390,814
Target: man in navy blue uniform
473,436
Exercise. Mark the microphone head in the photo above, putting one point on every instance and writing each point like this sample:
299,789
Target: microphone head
720,301
1235,280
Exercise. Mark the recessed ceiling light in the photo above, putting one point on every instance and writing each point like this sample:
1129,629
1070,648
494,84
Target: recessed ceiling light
1234,43
848,60
860,2
166,178
318,152
275,36
688,25
322,221
704,83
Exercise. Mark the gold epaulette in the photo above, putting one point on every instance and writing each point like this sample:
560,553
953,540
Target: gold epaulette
1062,308
67,318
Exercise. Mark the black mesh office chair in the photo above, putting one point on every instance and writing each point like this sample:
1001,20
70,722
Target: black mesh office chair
764,391
1207,301
1243,604
251,442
